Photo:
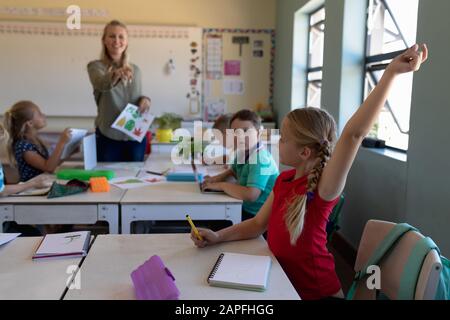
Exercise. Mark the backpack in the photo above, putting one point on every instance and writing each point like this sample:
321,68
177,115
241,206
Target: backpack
411,271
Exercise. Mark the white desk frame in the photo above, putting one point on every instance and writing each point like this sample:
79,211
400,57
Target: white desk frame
84,208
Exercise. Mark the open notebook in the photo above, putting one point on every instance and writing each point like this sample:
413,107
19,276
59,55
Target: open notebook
69,245
241,271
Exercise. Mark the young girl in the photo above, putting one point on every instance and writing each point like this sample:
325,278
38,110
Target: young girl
254,167
9,189
297,210
25,149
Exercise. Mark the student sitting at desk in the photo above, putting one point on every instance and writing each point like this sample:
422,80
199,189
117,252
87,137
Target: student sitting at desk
9,189
253,167
25,149
221,125
296,212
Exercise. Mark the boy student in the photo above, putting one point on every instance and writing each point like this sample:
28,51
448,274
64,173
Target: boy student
221,125
253,167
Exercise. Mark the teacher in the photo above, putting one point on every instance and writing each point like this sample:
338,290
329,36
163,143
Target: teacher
116,83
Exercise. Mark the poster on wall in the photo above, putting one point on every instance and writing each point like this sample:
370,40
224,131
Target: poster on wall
214,57
215,107
232,68
233,87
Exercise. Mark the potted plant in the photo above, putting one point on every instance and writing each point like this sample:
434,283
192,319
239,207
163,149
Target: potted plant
166,123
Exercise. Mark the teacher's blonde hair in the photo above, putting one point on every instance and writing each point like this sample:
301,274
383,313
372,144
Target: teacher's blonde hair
105,57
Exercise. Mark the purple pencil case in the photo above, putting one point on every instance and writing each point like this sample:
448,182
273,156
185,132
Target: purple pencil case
153,281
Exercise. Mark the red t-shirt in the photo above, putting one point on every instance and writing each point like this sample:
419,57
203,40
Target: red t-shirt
309,265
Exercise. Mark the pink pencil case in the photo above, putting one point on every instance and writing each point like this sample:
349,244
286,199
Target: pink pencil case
153,281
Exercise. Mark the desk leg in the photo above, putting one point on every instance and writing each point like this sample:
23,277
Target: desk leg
127,215
6,214
109,213
234,213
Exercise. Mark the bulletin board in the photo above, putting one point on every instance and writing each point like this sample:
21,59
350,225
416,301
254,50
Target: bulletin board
237,76
47,63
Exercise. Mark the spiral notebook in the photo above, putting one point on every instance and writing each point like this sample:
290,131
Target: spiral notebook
241,271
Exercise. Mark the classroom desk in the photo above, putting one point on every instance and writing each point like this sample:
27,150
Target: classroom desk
21,278
84,208
171,201
105,273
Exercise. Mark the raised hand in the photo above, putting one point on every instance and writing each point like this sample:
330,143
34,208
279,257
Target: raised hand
410,60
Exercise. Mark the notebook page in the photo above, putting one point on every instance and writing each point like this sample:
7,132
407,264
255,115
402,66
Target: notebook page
243,269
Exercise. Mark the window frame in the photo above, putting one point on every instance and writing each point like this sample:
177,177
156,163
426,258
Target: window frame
309,69
377,62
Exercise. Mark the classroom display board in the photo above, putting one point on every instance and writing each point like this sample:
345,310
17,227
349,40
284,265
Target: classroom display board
238,70
46,63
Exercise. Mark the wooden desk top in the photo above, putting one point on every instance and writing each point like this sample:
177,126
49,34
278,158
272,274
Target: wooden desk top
105,273
23,278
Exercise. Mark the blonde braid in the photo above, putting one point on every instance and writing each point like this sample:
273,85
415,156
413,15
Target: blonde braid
295,214
323,156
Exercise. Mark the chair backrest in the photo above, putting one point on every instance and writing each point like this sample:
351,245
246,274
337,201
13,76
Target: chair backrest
334,218
392,265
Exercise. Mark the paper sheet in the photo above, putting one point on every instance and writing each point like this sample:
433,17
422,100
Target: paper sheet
129,182
8,237
77,136
132,123
233,87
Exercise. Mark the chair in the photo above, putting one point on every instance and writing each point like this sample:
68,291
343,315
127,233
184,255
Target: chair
333,220
391,266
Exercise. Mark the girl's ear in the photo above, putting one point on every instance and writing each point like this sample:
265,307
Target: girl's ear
305,153
29,124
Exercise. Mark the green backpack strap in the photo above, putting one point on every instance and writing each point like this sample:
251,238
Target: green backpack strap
413,266
443,290
386,244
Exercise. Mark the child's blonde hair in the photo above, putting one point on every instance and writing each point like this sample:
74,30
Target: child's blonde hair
15,124
105,57
4,135
314,128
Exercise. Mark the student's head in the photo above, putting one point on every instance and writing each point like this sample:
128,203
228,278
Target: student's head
115,43
307,139
222,123
22,118
248,123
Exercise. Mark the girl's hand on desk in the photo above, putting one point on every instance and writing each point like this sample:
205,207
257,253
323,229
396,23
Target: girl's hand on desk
209,237
40,182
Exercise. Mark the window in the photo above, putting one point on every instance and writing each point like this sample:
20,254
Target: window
391,29
315,57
